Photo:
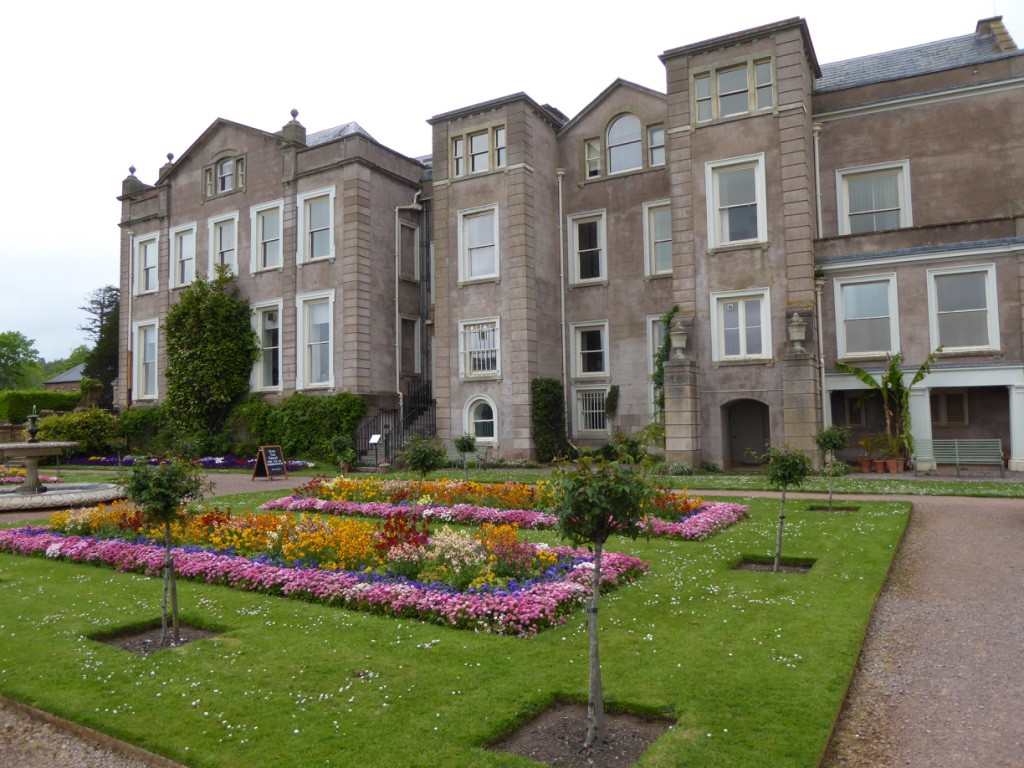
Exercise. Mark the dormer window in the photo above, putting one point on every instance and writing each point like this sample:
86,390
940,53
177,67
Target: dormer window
224,176
479,151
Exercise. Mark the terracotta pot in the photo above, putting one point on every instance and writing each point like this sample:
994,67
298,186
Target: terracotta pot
894,465
865,465
880,466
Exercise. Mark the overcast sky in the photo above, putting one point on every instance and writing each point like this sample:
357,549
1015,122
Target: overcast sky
92,88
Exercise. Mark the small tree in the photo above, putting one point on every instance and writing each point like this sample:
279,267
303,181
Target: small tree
465,444
423,456
829,440
161,493
786,468
594,499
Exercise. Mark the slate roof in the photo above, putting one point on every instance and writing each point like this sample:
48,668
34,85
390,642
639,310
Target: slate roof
70,376
910,62
337,132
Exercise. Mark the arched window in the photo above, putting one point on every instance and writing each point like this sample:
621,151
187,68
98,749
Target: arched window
624,149
480,420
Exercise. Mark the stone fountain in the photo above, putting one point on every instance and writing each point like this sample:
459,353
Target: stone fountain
32,494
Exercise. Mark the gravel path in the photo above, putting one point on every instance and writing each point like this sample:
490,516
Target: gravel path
940,681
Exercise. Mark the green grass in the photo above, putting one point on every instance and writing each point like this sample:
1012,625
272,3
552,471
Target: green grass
752,666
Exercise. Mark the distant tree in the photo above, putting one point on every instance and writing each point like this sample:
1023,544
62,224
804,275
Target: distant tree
831,440
102,362
18,360
594,499
76,356
465,444
99,305
211,348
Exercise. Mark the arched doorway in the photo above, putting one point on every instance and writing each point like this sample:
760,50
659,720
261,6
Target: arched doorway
747,431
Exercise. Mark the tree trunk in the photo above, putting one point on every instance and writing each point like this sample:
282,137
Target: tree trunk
176,634
595,701
167,583
778,535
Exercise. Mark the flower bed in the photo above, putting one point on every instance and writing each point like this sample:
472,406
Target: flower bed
707,520
520,610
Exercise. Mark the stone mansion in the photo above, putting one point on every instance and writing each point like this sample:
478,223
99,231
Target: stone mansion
796,214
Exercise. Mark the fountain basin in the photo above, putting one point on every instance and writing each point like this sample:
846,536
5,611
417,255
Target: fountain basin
31,453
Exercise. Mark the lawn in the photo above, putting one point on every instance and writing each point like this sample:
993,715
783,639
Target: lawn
752,666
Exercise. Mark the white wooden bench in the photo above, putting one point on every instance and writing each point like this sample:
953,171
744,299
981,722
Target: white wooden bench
959,452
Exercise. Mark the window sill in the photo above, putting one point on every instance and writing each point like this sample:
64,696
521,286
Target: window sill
477,174
658,276
482,377
864,356
480,280
409,280
255,272
728,362
970,352
620,174
772,110
746,245
589,283
306,262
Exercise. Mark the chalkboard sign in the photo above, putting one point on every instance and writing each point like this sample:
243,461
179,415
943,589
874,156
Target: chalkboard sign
269,462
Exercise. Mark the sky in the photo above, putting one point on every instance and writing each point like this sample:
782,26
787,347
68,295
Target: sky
90,89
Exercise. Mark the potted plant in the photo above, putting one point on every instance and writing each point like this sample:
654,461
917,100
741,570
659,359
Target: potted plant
867,459
894,445
344,446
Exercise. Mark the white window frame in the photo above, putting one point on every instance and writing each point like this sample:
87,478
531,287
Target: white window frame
173,277
579,396
141,249
577,350
302,255
212,177
213,249
139,391
650,243
894,315
991,307
574,220
414,256
712,170
258,309
713,99
256,236
463,246
900,169
652,147
302,301
470,424
592,158
717,331
464,161
466,353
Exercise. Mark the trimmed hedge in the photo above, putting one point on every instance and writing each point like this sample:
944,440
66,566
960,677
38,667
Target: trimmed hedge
94,430
16,405
303,425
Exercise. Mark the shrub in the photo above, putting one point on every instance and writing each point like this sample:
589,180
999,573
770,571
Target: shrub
303,425
94,430
140,428
16,405
548,419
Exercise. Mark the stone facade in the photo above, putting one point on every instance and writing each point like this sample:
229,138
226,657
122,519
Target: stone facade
795,213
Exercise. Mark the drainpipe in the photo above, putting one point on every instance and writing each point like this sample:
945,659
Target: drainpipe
816,128
129,373
413,206
560,174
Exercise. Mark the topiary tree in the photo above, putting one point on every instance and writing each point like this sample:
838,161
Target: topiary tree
211,348
829,440
594,499
162,492
465,444
786,468
424,456
547,400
